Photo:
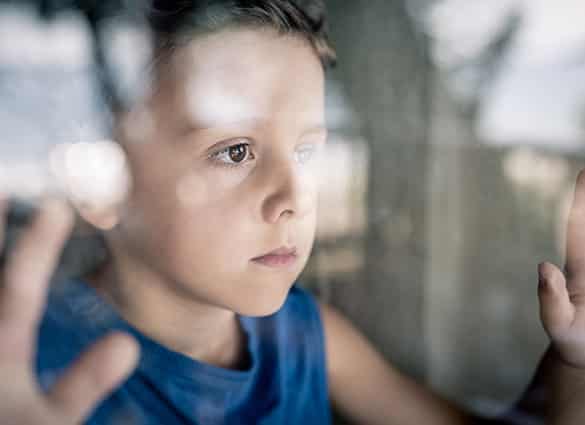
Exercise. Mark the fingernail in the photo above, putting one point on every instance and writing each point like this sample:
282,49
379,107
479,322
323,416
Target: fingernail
542,280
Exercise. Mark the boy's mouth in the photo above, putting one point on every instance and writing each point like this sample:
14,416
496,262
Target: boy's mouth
281,257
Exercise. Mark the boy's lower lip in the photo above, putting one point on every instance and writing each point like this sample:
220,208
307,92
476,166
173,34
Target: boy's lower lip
276,261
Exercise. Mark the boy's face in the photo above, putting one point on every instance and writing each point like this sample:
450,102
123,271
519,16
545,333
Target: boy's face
227,173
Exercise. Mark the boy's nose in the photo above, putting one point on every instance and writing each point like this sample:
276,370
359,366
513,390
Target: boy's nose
288,196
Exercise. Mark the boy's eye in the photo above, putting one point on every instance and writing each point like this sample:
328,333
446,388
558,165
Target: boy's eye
305,153
238,153
235,154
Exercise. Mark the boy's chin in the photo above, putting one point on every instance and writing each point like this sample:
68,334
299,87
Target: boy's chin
258,305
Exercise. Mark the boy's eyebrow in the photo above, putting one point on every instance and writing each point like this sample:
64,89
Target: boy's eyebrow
200,125
318,128
192,126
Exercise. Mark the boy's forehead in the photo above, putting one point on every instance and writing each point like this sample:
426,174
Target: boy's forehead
222,97
245,76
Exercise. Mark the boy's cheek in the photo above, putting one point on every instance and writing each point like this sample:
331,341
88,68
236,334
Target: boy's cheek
309,188
198,188
195,191
314,176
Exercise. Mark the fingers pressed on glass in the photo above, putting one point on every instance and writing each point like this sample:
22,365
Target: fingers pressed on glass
94,374
29,266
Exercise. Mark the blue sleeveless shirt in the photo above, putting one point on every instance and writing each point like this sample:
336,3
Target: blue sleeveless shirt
284,384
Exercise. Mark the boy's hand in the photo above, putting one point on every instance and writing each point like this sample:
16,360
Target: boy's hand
23,289
562,296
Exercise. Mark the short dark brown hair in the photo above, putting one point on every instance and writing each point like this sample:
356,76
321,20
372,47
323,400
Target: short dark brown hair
176,22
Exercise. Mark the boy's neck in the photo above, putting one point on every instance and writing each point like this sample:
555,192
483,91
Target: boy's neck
203,332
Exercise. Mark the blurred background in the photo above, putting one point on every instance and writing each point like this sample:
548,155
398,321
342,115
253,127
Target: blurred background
457,129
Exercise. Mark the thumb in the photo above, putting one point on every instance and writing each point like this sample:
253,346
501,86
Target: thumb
556,310
97,372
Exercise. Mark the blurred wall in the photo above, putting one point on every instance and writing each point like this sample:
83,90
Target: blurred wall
384,67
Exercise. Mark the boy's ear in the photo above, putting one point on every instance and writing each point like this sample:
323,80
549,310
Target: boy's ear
95,178
103,217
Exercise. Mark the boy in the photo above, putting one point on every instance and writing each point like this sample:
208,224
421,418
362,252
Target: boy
204,251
